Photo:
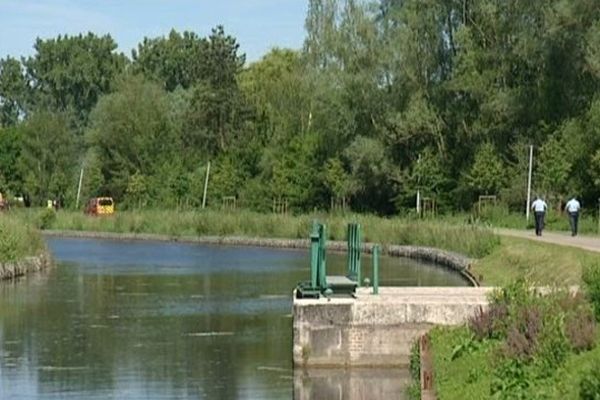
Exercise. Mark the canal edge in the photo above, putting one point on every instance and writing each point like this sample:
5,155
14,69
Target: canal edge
451,260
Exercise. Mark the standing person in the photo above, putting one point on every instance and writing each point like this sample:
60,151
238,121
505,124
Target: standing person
572,208
539,207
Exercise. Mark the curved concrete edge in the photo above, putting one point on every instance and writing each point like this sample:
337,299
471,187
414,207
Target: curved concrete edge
454,261
27,265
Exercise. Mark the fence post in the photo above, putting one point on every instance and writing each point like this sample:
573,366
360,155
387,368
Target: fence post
314,257
322,257
376,269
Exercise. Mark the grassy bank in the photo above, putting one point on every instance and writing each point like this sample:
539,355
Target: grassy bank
470,240
539,262
18,240
471,375
525,346
499,260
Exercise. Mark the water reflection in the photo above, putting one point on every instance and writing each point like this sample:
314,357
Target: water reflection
133,320
350,384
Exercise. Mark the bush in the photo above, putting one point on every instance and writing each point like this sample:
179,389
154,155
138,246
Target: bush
581,330
489,324
46,218
522,339
589,386
18,240
414,390
591,280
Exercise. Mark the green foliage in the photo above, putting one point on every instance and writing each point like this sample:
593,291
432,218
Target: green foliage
555,165
174,61
13,91
130,131
47,156
378,85
46,218
414,389
10,153
487,173
589,387
70,73
591,279
18,240
527,352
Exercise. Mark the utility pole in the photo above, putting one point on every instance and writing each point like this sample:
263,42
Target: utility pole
205,185
529,183
79,189
419,186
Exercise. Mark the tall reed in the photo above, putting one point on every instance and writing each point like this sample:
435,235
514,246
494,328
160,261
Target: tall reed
461,237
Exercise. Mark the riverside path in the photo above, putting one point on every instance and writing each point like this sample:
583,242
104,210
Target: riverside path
590,243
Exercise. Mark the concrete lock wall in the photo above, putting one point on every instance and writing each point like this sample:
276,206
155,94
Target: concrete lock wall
376,330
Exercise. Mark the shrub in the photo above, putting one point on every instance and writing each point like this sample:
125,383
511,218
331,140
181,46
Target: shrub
522,338
18,240
591,280
489,324
581,330
589,386
414,389
46,218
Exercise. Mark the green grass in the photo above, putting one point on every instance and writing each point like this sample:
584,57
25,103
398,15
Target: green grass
543,263
18,240
498,260
466,239
470,375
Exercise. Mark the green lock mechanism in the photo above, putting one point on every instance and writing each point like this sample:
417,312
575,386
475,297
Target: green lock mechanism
320,283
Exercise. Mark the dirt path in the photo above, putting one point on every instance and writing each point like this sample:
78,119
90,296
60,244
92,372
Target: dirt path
561,238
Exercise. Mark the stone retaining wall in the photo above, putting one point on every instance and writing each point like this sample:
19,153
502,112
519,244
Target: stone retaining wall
14,269
376,330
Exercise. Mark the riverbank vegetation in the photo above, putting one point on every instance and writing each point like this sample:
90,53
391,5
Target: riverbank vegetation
496,260
470,240
18,240
525,346
386,98
547,263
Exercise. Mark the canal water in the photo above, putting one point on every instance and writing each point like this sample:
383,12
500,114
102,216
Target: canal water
152,320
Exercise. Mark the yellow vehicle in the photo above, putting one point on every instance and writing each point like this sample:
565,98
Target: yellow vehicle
100,206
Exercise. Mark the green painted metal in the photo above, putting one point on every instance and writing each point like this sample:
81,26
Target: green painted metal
314,259
354,252
320,284
322,257
376,271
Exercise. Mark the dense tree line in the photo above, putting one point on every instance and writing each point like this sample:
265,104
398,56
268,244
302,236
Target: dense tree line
386,97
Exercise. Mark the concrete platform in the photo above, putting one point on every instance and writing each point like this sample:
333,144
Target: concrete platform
377,330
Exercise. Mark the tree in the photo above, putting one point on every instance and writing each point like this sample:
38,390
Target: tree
371,173
70,73
13,92
178,60
10,154
218,112
47,156
487,172
554,166
131,132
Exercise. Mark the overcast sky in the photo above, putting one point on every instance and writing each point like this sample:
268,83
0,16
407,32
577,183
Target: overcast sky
258,25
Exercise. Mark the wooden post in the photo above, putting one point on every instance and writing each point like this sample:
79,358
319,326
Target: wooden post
79,189
529,183
205,185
